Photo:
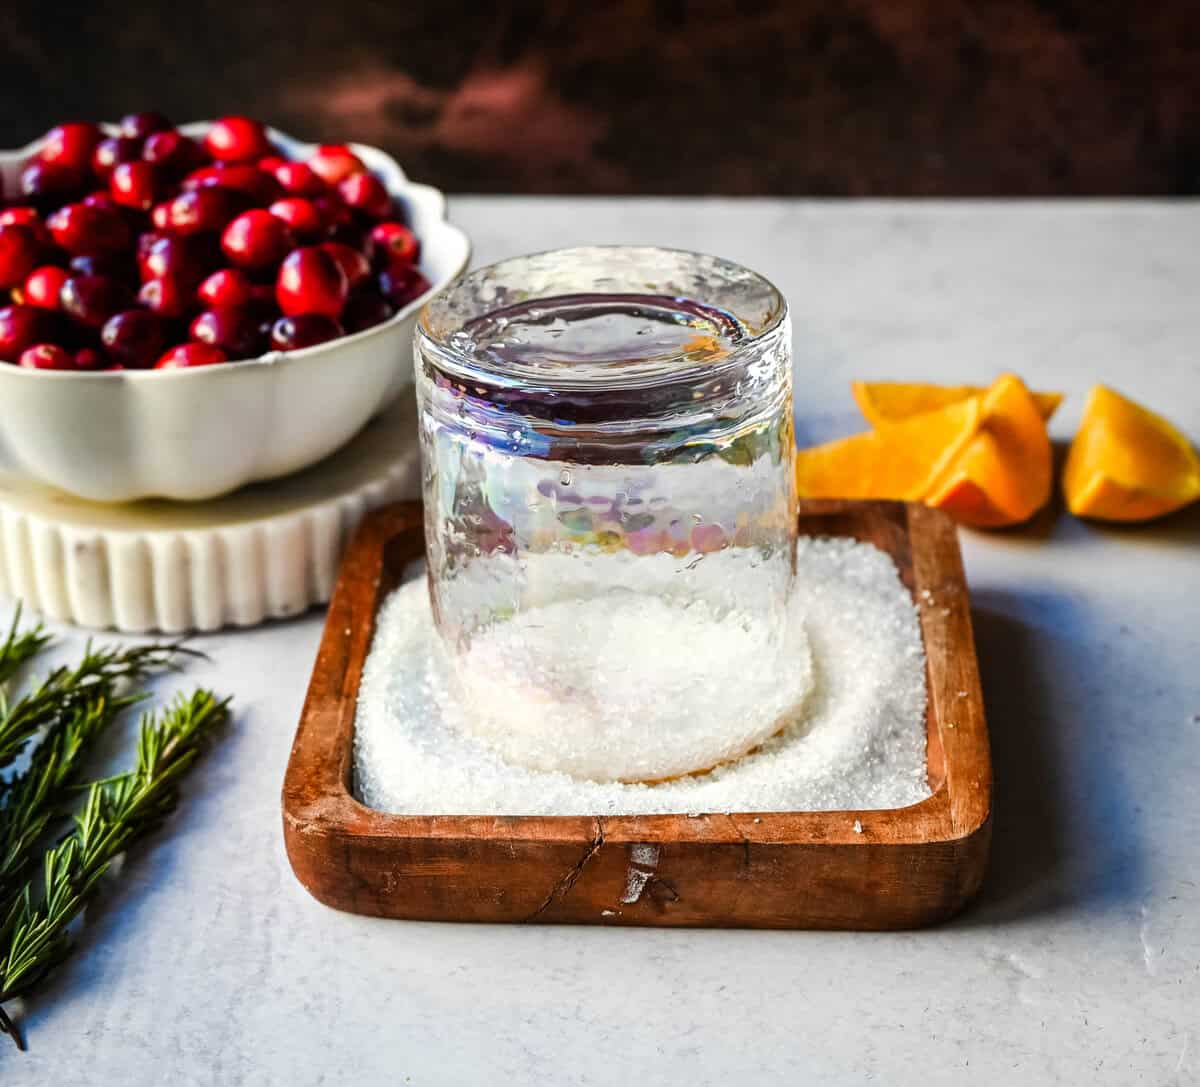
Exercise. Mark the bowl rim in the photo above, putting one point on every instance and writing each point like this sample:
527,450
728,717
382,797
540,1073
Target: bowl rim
397,183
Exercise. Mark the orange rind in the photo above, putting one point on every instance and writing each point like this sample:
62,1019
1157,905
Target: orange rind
1128,463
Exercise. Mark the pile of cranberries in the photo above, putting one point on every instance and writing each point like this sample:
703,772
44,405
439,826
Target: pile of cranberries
148,249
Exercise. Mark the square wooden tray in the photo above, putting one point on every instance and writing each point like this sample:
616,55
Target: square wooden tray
896,868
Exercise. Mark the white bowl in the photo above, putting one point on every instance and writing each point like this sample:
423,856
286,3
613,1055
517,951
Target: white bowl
196,434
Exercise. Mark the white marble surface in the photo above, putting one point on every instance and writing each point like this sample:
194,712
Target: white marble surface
209,964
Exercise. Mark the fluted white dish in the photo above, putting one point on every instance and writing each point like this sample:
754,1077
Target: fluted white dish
195,434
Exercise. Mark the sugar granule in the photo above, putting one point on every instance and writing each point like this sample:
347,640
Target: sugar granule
859,742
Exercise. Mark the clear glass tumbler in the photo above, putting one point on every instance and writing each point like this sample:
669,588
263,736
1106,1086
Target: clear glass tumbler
610,509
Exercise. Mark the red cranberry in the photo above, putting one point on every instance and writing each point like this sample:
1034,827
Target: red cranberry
311,281
256,239
199,210
22,327
365,193
19,252
401,283
134,338
226,287
365,308
355,266
334,162
71,144
300,215
270,163
298,179
42,286
166,297
237,139
100,200
47,356
90,358
146,241
183,259
173,153
303,330
135,185
185,356
110,152
81,228
256,185
47,184
28,218
92,300
394,243
140,125
232,328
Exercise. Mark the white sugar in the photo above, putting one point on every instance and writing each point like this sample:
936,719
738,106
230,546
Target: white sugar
856,701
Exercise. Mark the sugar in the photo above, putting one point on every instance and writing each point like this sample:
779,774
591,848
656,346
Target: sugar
856,740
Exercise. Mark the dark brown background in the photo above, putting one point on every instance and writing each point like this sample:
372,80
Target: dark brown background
859,97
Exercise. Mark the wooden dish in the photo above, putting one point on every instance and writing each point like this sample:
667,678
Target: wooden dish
895,868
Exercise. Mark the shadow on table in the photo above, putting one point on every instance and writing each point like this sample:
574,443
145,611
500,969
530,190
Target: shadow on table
1065,829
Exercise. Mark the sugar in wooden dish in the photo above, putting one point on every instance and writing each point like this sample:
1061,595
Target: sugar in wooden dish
848,682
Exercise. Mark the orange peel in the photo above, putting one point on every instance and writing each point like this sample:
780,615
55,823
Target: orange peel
1127,463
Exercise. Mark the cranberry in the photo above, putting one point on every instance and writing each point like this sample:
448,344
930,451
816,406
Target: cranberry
92,300
184,259
48,184
256,185
394,243
19,252
365,308
300,215
146,241
270,163
134,338
47,356
22,327
227,287
28,218
298,179
135,185
401,283
140,125
173,153
114,150
365,193
237,139
334,162
71,144
42,286
100,200
355,266
232,328
184,356
256,239
199,210
311,281
82,228
167,297
303,330
90,358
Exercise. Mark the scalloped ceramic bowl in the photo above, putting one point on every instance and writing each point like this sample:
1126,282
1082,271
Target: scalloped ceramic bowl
196,434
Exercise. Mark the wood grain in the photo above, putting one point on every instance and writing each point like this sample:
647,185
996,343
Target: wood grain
907,867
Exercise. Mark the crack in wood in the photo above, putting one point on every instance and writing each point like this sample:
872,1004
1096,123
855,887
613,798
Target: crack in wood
563,886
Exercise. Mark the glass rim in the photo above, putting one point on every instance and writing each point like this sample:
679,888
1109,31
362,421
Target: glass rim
558,373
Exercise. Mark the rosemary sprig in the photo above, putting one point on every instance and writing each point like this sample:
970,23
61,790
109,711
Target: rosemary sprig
65,690
34,934
18,648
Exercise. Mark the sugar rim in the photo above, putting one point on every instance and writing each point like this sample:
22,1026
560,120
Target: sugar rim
561,373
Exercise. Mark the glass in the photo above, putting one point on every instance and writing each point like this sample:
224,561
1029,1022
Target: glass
608,469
